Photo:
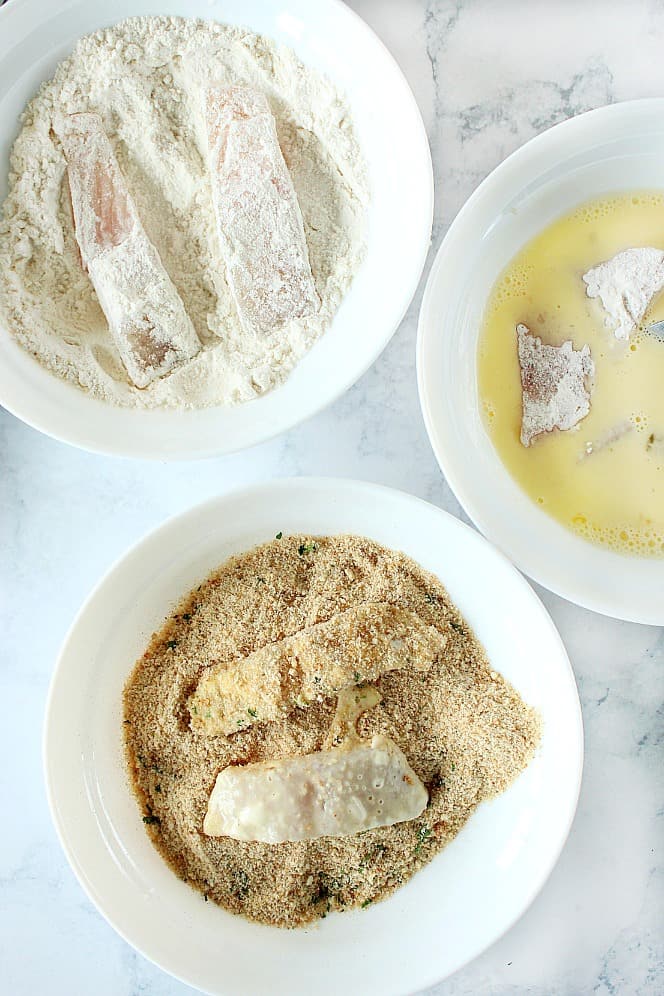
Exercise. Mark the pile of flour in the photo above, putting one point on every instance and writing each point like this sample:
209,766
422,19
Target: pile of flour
145,77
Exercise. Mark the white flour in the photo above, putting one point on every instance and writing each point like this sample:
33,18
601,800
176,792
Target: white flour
145,77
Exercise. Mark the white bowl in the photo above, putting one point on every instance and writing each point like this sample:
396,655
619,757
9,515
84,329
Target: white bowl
620,147
37,34
449,912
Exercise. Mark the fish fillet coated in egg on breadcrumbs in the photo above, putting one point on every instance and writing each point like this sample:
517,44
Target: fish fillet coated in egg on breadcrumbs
354,646
330,793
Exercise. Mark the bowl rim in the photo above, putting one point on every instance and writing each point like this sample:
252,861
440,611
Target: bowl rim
132,445
349,487
531,564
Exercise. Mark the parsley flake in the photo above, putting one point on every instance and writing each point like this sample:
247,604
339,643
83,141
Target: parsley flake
423,835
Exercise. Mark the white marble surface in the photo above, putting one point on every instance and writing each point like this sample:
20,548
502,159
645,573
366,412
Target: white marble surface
487,75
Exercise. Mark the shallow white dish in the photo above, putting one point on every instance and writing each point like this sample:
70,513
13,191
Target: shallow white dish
37,34
620,147
452,910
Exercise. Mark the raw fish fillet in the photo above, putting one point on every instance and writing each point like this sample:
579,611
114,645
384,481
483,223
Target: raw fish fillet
146,316
352,647
258,215
555,391
626,284
332,793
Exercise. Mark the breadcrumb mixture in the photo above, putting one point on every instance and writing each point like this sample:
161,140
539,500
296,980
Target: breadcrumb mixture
465,730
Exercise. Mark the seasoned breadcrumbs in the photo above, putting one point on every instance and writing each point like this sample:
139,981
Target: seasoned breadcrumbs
464,729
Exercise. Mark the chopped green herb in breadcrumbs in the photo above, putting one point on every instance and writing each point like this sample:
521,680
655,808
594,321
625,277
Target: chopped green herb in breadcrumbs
423,835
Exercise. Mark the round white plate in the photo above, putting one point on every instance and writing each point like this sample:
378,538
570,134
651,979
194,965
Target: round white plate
37,34
449,912
620,147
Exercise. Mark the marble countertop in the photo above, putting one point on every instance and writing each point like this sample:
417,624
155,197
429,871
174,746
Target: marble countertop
487,75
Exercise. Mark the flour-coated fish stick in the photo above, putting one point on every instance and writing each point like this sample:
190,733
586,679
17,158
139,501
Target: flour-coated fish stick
258,215
145,313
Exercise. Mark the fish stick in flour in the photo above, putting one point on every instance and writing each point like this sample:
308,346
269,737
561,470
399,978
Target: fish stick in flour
145,313
352,647
258,215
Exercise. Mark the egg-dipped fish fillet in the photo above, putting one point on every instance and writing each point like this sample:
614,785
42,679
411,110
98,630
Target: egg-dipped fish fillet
626,286
556,384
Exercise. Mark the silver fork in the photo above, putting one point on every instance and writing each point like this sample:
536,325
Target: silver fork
656,329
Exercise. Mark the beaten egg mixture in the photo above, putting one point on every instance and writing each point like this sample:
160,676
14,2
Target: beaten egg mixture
605,478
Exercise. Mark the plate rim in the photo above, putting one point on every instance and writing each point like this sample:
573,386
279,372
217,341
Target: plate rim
336,485
451,469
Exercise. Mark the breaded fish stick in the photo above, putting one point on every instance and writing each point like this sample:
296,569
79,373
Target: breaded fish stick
354,646
146,316
259,218
332,793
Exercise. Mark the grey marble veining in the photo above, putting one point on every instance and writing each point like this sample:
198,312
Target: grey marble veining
488,75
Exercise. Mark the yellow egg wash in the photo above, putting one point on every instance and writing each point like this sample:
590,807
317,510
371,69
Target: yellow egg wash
613,495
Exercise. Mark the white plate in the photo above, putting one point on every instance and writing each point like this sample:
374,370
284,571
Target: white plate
620,147
37,34
457,906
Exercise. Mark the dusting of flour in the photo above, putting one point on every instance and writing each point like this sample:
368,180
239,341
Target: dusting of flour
145,77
